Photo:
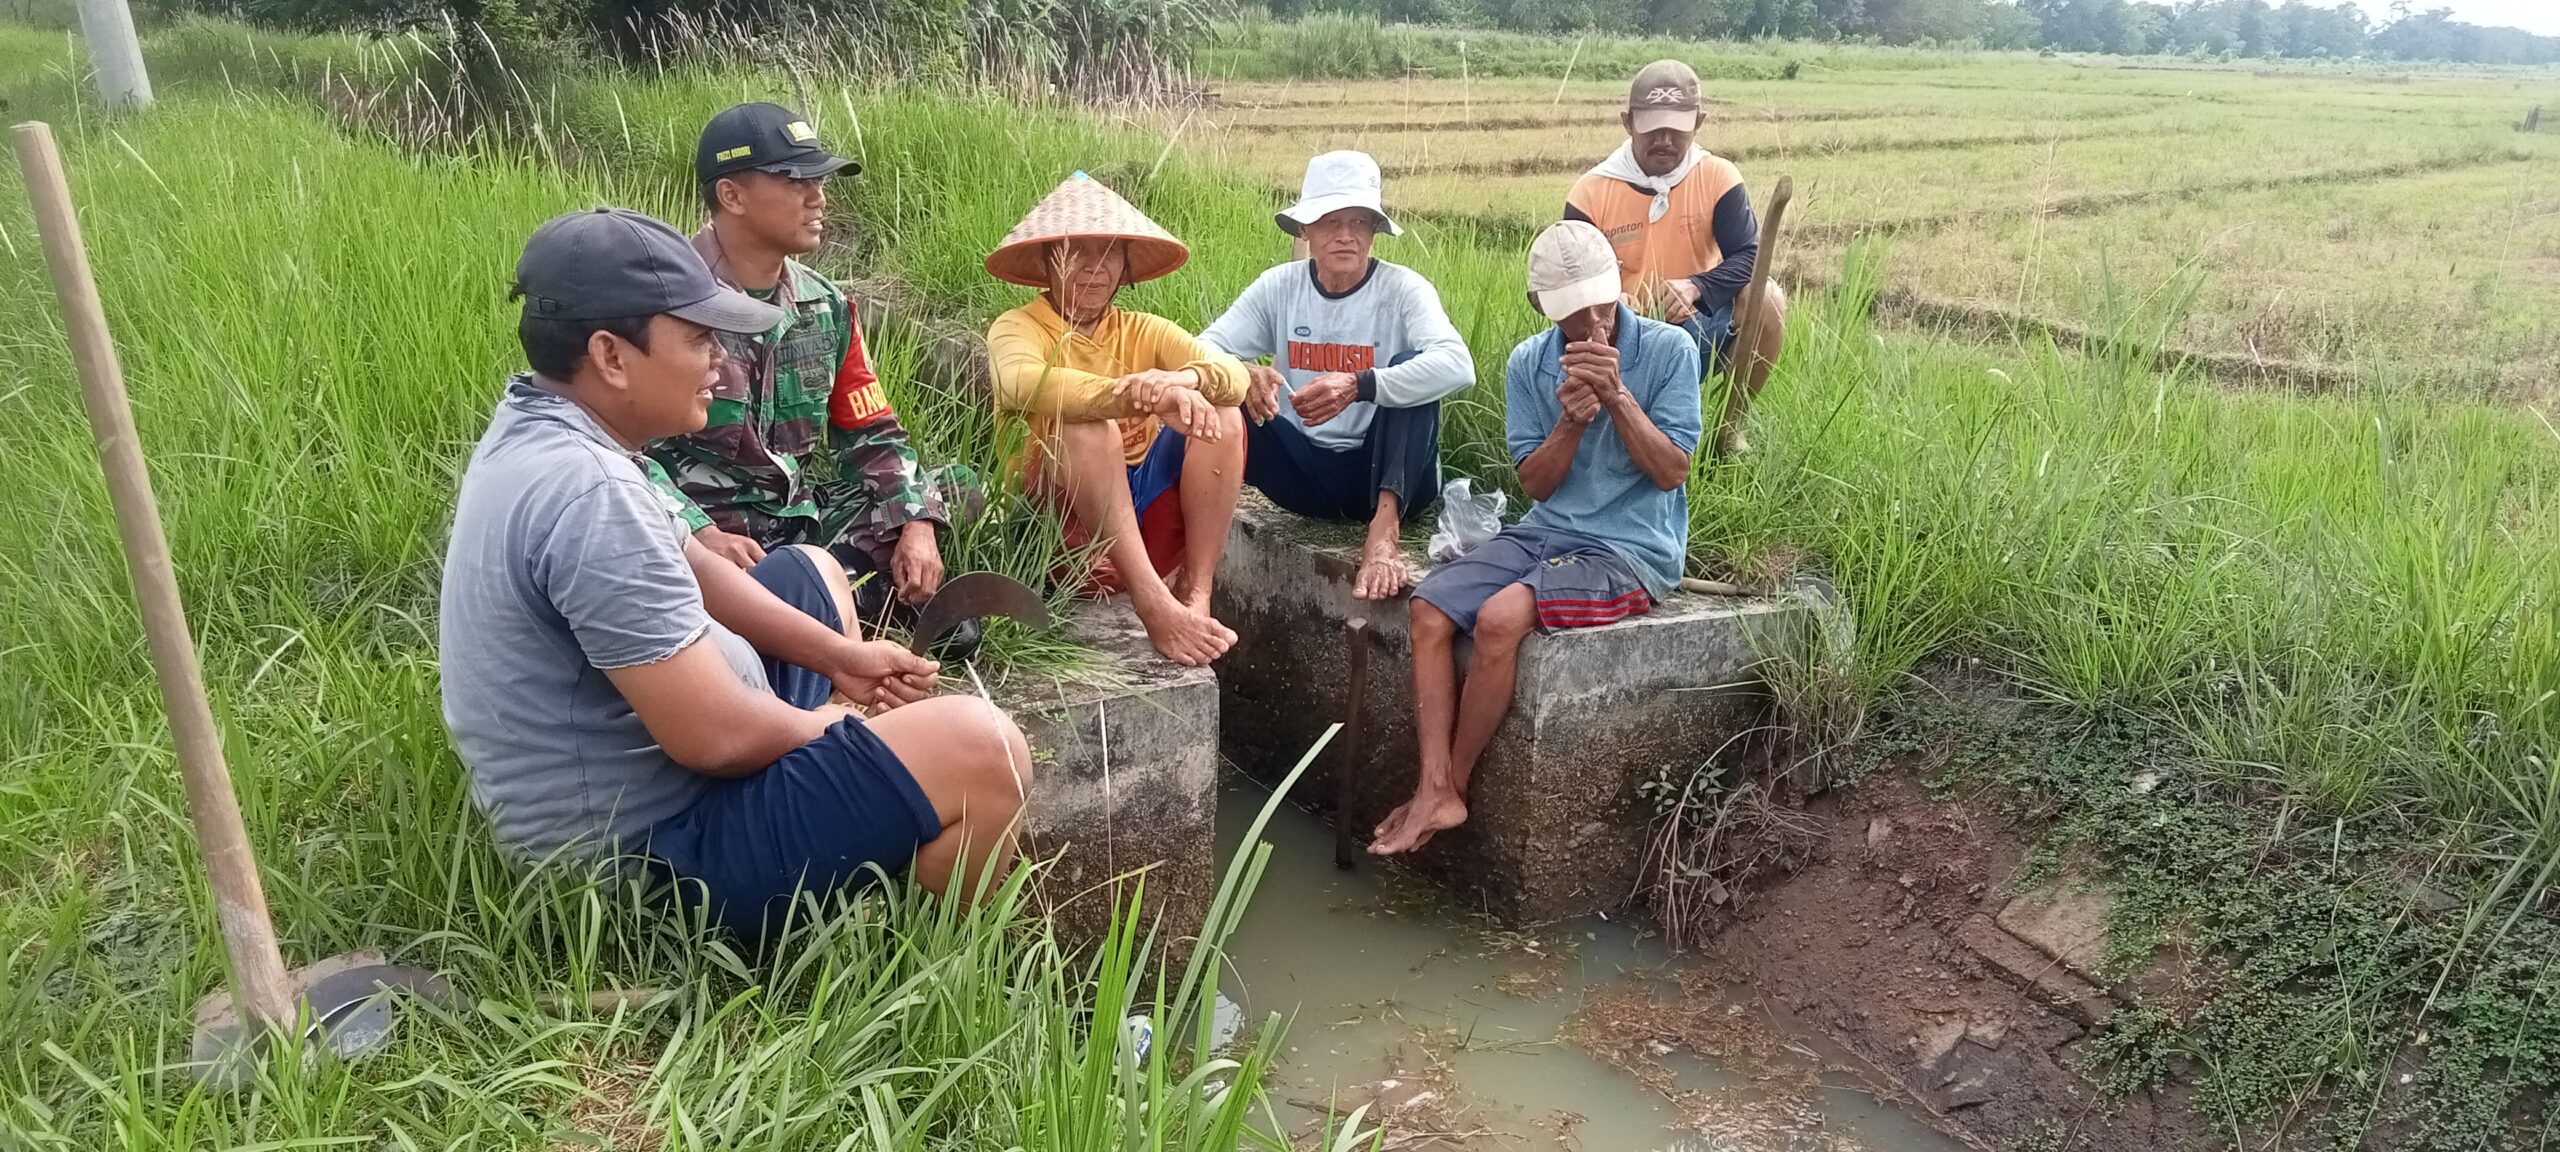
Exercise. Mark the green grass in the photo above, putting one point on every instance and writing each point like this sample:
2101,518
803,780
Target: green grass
2339,608
1331,45
2300,946
314,328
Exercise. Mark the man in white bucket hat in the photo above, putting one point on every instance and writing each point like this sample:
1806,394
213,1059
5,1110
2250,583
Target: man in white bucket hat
1603,420
1345,420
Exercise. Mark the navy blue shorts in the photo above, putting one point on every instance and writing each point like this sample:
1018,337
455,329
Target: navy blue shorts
1162,469
1574,581
820,818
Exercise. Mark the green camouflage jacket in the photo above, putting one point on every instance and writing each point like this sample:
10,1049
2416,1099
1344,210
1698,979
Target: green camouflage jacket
784,395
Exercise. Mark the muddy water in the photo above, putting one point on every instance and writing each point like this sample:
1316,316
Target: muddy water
1460,1034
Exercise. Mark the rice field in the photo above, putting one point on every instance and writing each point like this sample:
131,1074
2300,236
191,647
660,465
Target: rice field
2362,225
2345,605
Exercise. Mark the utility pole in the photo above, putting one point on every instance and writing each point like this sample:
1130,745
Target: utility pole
115,53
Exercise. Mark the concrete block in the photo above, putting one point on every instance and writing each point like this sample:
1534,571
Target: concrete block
2064,921
2024,966
1127,759
1556,827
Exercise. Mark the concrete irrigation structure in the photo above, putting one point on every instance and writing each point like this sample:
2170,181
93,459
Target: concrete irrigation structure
1556,825
1129,757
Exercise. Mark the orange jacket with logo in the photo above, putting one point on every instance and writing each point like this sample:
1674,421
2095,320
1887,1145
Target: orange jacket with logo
1708,235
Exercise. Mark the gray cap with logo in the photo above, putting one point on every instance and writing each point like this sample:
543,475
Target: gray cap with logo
615,264
1664,95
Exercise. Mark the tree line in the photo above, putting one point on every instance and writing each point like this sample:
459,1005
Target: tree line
1061,36
2216,28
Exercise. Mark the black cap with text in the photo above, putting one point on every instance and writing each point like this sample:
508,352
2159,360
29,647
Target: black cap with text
767,137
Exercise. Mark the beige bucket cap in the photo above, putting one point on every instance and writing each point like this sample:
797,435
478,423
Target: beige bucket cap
1082,206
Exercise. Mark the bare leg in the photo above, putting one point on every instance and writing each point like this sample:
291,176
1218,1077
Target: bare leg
1086,460
1505,621
974,765
1212,478
1757,352
1384,572
1440,802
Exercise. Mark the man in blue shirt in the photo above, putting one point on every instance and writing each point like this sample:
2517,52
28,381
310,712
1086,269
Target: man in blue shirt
1603,420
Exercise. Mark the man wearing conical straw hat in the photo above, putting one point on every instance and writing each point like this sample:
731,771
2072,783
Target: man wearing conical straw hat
1346,419
1134,423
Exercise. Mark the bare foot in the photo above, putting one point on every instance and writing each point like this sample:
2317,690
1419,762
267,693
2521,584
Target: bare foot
1384,573
1185,635
1413,825
1194,594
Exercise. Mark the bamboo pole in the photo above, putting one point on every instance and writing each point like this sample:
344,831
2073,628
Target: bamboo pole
258,983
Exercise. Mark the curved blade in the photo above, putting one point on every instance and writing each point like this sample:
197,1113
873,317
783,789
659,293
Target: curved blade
348,1001
972,595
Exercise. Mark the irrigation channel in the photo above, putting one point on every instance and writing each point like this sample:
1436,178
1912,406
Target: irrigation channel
1460,1035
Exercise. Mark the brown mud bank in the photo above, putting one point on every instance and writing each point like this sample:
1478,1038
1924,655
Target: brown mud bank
1905,941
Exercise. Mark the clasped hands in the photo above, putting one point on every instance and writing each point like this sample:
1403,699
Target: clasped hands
1321,400
873,676
1174,397
1590,380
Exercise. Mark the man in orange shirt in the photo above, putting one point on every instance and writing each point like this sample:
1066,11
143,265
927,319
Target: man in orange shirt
1685,236
1135,425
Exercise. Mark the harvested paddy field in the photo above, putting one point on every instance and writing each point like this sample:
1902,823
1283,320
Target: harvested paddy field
2338,225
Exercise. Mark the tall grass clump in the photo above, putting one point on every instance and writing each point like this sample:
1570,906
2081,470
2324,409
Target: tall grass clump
314,328
2349,600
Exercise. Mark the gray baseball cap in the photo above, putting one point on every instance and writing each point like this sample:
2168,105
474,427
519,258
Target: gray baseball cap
1664,95
614,263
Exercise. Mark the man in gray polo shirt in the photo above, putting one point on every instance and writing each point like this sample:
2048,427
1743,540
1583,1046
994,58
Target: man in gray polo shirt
614,687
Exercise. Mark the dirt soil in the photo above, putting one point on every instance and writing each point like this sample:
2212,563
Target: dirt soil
1886,945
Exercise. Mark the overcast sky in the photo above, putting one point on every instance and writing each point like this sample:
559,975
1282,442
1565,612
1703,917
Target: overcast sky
2540,16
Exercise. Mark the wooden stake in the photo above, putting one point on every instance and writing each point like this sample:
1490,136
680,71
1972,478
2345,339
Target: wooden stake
258,980
1747,313
1346,849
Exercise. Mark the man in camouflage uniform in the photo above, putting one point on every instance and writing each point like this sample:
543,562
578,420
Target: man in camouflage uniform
744,481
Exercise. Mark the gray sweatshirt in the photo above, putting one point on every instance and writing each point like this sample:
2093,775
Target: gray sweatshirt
1390,331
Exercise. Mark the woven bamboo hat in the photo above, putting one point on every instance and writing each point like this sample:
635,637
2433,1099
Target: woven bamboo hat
1083,207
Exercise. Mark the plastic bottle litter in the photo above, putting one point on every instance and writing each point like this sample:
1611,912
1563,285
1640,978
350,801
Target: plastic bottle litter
1467,518
1141,1036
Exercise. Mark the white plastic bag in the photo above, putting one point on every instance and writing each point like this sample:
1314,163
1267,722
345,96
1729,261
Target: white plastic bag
1467,518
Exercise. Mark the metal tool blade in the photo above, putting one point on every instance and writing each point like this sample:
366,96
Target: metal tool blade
347,1003
973,595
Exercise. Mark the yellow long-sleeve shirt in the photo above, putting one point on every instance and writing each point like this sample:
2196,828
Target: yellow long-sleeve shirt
1048,371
